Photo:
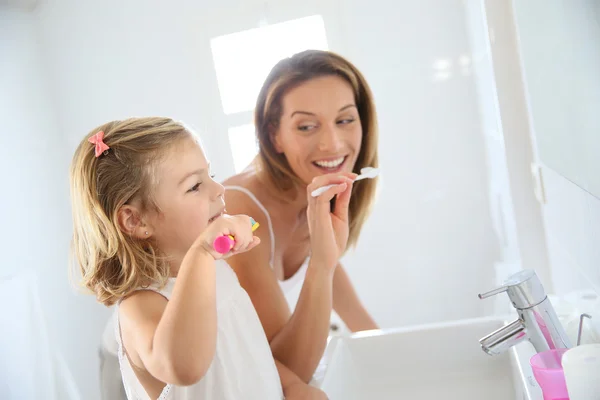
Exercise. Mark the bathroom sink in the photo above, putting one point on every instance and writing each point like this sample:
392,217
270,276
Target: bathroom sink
434,361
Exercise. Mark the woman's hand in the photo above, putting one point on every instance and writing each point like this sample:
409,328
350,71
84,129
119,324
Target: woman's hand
238,226
329,230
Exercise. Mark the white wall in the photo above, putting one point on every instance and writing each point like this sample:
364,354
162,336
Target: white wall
113,59
561,61
34,206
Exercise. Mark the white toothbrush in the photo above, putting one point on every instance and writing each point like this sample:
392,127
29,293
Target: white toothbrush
367,172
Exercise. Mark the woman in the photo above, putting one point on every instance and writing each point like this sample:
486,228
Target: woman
314,120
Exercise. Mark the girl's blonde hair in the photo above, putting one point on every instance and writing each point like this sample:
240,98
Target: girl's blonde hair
112,263
290,73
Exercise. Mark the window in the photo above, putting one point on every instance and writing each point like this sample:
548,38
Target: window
243,145
242,62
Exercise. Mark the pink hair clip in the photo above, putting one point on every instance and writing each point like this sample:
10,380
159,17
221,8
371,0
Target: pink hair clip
98,141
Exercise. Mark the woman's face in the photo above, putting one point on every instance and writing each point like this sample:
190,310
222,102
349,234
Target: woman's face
320,130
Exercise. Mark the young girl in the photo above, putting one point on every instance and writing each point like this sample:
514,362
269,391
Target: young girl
146,212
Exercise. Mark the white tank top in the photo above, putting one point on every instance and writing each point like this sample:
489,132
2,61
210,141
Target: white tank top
243,365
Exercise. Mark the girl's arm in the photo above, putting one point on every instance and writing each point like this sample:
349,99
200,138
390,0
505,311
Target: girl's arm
176,339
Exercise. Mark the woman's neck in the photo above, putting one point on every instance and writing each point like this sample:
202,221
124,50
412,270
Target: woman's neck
300,201
294,197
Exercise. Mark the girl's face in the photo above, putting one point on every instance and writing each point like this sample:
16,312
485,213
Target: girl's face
320,129
187,196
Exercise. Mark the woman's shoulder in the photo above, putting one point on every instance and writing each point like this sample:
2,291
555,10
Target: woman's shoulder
246,193
246,179
243,195
242,178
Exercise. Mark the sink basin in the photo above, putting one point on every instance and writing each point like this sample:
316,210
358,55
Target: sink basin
434,361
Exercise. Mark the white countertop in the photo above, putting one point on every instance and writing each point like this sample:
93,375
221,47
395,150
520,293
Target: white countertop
522,372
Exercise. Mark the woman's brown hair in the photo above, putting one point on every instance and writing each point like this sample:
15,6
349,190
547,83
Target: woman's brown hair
289,73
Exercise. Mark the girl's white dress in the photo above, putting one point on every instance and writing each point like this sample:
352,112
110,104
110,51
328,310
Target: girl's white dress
243,367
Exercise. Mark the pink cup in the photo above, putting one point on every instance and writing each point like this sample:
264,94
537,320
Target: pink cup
549,374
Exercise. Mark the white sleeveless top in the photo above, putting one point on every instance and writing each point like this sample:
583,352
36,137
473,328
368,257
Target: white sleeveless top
243,366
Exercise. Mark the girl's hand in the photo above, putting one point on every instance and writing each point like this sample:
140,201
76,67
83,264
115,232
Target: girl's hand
329,230
238,226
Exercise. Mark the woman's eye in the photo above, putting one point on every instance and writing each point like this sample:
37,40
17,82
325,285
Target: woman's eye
346,121
306,128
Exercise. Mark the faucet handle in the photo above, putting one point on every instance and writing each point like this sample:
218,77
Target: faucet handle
493,292
524,289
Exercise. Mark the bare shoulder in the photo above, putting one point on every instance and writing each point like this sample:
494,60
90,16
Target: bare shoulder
239,202
249,180
244,179
139,315
142,302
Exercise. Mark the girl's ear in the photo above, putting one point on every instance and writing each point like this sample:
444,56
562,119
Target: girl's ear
131,222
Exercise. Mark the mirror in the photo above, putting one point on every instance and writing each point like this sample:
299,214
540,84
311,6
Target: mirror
560,49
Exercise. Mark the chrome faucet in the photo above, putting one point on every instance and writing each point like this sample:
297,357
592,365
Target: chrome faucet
537,319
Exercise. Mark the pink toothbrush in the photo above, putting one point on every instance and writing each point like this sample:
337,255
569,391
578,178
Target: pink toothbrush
224,244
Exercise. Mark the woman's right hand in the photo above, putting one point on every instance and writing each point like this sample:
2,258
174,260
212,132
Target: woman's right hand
238,226
329,229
